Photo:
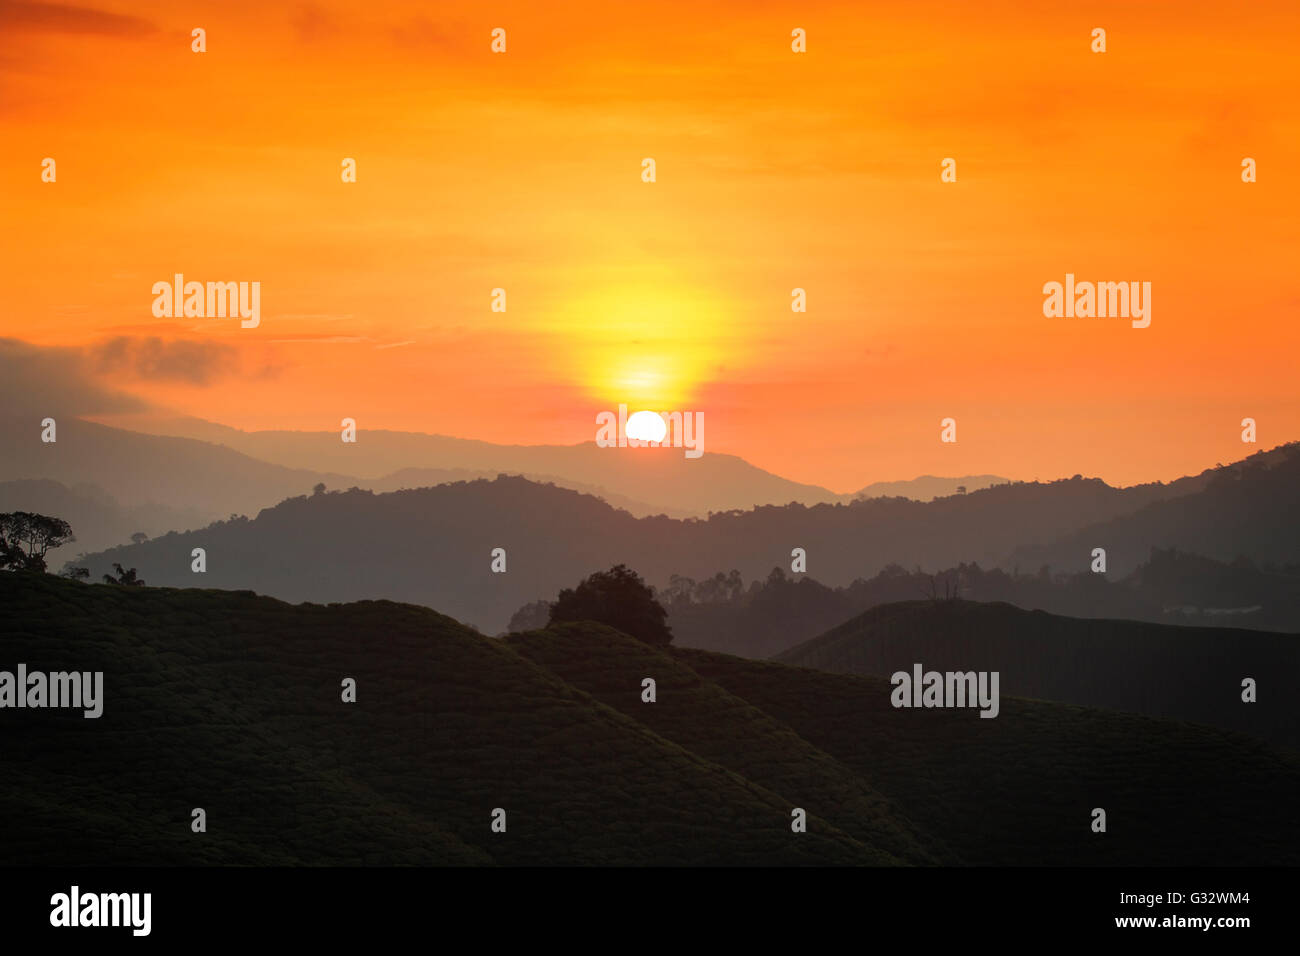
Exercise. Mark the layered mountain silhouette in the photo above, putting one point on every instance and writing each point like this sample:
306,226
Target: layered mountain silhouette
231,702
432,546
1171,587
228,471
928,487
411,478
1190,673
174,482
139,470
1251,509
655,478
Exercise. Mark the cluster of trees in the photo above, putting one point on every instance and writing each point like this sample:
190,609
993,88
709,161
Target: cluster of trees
771,614
901,584
26,537
719,588
125,577
618,597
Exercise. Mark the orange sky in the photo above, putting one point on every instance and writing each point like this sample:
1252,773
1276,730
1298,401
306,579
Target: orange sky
775,170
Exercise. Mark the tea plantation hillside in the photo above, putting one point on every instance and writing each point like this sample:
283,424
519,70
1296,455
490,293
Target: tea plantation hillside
232,702
1164,670
1021,788
704,718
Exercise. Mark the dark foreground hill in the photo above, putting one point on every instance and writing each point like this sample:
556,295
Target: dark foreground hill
1010,790
231,702
1191,673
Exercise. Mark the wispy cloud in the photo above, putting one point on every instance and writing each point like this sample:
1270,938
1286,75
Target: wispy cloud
152,358
64,18
322,339
311,22
54,381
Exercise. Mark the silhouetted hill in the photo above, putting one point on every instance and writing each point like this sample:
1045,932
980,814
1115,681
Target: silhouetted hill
1020,787
927,487
432,545
768,617
141,470
705,719
410,478
661,479
1196,590
1191,673
231,702
1172,587
1251,508
848,541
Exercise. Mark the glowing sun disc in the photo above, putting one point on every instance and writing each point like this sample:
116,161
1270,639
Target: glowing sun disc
646,426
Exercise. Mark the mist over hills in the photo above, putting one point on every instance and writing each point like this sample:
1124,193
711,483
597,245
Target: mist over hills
768,616
97,518
140,470
110,483
661,478
215,471
231,702
657,477
192,480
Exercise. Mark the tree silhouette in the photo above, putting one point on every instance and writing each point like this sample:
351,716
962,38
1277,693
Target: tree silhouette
951,589
617,597
124,577
139,538
531,617
26,537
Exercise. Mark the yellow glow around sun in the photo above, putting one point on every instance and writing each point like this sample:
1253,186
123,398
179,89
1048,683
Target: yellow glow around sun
643,380
649,344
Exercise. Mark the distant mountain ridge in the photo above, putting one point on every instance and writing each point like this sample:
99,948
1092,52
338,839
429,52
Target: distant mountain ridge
928,487
432,546
138,469
1250,508
774,614
659,478
409,479
221,473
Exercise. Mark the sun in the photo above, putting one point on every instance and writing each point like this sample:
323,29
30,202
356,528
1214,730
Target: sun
646,426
